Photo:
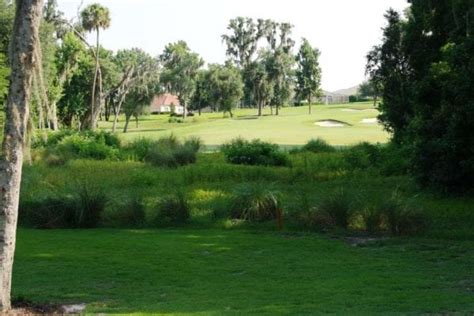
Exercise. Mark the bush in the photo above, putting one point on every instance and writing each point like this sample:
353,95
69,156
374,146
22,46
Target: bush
318,145
91,205
400,218
173,210
254,203
175,120
139,148
314,219
362,156
395,159
53,138
256,152
372,218
166,151
338,207
48,212
76,146
129,213
82,209
59,147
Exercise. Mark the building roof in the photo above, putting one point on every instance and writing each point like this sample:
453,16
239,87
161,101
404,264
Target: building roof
165,99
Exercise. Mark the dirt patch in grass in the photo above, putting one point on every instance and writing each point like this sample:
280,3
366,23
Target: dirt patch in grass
362,241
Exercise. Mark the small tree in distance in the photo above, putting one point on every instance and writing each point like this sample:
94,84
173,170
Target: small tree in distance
181,67
225,86
308,74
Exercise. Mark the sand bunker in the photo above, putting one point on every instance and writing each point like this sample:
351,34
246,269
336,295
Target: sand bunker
370,121
330,123
357,110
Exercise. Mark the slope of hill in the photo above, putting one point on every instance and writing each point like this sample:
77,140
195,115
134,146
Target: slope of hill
349,91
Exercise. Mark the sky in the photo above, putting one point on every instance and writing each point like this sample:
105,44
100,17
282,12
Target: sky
343,30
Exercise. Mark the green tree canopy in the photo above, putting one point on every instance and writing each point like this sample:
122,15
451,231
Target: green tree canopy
225,87
181,67
425,64
308,73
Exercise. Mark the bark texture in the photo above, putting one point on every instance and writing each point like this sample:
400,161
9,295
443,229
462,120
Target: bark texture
23,52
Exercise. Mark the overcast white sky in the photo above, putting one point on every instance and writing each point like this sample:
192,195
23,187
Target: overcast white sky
344,30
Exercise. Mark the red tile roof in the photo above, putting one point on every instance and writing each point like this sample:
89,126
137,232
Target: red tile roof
164,100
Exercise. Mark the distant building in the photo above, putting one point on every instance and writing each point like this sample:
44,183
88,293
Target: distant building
166,103
333,98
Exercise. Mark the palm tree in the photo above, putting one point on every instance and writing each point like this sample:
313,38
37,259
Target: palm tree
93,18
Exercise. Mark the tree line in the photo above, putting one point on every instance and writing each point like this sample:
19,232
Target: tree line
78,83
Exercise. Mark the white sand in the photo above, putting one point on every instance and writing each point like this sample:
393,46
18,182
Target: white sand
329,124
369,121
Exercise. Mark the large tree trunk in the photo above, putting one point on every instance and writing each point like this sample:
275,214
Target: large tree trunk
260,108
24,46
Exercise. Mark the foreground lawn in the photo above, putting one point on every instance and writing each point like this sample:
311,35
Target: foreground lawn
292,127
211,272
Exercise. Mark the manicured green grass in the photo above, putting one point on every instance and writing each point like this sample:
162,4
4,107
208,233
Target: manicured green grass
214,272
294,126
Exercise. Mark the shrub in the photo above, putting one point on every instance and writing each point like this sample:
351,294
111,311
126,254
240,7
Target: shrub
372,218
65,145
76,146
139,148
254,203
220,206
129,213
48,212
175,120
362,156
314,219
256,152
166,151
338,207
318,145
91,203
51,139
395,159
160,155
400,218
173,210
81,209
186,153
53,159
